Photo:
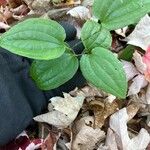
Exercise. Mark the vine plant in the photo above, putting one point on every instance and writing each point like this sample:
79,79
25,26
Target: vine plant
55,63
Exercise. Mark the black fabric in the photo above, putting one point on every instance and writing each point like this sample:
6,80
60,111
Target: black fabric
20,99
76,45
69,29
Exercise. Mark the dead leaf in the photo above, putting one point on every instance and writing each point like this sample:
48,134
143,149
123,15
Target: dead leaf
111,140
87,3
103,147
138,83
130,69
4,26
122,31
141,35
132,110
140,65
86,137
49,142
118,124
64,112
89,92
80,12
102,111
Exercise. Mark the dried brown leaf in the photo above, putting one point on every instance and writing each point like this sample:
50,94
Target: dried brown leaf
85,137
102,111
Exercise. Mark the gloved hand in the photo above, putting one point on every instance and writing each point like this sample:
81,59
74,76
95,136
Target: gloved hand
20,99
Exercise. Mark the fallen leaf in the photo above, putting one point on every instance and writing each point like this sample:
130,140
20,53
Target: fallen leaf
80,12
111,140
122,31
140,65
49,142
86,137
4,26
102,111
21,10
138,83
118,124
87,3
64,112
129,69
132,110
141,35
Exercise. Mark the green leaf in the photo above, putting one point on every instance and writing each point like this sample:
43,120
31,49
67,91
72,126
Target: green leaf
51,74
115,14
94,35
35,38
127,53
102,69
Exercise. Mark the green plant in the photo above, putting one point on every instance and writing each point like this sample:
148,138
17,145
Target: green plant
55,63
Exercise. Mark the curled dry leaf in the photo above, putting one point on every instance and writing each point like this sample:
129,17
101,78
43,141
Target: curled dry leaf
86,137
132,110
21,10
89,92
40,4
102,111
140,65
80,12
4,26
64,112
130,69
50,142
5,14
111,140
138,83
118,124
122,31
87,3
141,35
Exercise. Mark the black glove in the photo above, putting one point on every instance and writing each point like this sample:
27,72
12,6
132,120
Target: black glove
20,99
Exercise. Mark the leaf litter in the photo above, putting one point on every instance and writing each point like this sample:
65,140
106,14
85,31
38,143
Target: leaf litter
88,118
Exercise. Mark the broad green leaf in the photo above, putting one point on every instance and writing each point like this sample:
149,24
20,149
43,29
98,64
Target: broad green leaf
35,38
102,69
115,14
50,74
94,35
127,53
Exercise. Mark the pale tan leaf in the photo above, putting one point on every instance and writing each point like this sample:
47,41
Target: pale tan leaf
130,69
111,140
141,35
4,26
140,65
80,12
64,111
86,137
138,83
118,124
122,31
87,3
102,111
